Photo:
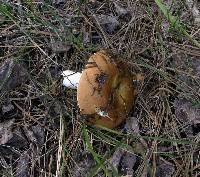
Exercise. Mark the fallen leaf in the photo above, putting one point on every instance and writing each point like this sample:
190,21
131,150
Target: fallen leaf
59,2
108,22
123,161
84,164
121,11
132,125
196,67
7,108
12,74
2,19
186,112
35,134
18,141
59,47
127,163
22,167
164,168
116,158
6,131
193,7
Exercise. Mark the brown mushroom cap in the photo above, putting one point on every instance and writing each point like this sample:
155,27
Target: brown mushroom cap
105,91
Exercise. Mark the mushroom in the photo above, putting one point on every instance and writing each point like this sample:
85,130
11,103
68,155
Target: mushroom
71,79
105,91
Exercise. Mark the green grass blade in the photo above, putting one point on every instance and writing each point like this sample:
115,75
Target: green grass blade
173,21
96,157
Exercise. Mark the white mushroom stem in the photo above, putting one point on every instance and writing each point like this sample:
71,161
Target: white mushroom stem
193,7
71,79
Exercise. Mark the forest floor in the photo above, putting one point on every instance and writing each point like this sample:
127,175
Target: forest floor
41,130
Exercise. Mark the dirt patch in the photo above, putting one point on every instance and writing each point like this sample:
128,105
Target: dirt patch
41,130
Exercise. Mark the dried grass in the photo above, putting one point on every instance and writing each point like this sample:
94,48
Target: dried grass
47,38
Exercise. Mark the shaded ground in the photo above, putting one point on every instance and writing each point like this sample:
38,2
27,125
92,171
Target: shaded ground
41,130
